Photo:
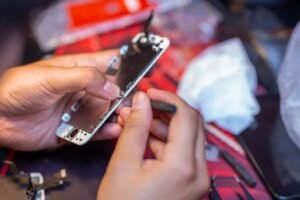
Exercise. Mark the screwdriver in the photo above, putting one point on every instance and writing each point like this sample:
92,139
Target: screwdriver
246,192
238,168
213,193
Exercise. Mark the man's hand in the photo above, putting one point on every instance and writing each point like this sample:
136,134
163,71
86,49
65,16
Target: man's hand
33,98
179,171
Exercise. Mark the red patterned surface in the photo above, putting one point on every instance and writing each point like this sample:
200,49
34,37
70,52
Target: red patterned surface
166,75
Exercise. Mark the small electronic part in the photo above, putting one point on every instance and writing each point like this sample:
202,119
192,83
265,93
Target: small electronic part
32,192
30,186
134,61
112,66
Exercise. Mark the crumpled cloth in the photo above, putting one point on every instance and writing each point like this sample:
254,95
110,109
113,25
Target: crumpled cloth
221,83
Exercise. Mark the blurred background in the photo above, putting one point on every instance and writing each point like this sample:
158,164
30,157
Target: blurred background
224,55
19,17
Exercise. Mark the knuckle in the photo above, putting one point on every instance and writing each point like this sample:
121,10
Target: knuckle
186,173
91,72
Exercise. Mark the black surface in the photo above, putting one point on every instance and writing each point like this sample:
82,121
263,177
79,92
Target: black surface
272,152
85,167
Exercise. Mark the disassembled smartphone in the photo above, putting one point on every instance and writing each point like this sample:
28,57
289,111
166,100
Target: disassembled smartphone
129,67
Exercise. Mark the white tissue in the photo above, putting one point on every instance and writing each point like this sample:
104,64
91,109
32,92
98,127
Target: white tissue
220,83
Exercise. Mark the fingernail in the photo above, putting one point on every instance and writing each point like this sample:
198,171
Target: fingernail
138,100
111,89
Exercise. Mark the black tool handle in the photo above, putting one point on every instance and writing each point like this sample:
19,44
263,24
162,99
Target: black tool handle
246,192
214,195
162,106
239,169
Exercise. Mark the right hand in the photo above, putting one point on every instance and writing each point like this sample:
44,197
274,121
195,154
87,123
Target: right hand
179,171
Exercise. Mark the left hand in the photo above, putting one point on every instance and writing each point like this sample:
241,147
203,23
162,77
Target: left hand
33,98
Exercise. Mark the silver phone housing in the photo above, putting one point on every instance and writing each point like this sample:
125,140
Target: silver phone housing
80,136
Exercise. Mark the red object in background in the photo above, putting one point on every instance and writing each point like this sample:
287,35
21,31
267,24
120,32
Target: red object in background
104,41
102,10
5,167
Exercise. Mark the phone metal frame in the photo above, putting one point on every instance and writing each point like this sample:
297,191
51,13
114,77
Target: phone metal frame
81,137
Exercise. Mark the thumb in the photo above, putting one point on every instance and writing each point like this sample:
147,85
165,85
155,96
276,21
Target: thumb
132,142
61,80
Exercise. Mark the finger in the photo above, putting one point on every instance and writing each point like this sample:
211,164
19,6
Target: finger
120,121
201,165
183,127
159,129
133,140
200,149
108,131
157,147
200,142
113,118
165,117
100,60
124,113
125,103
59,80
